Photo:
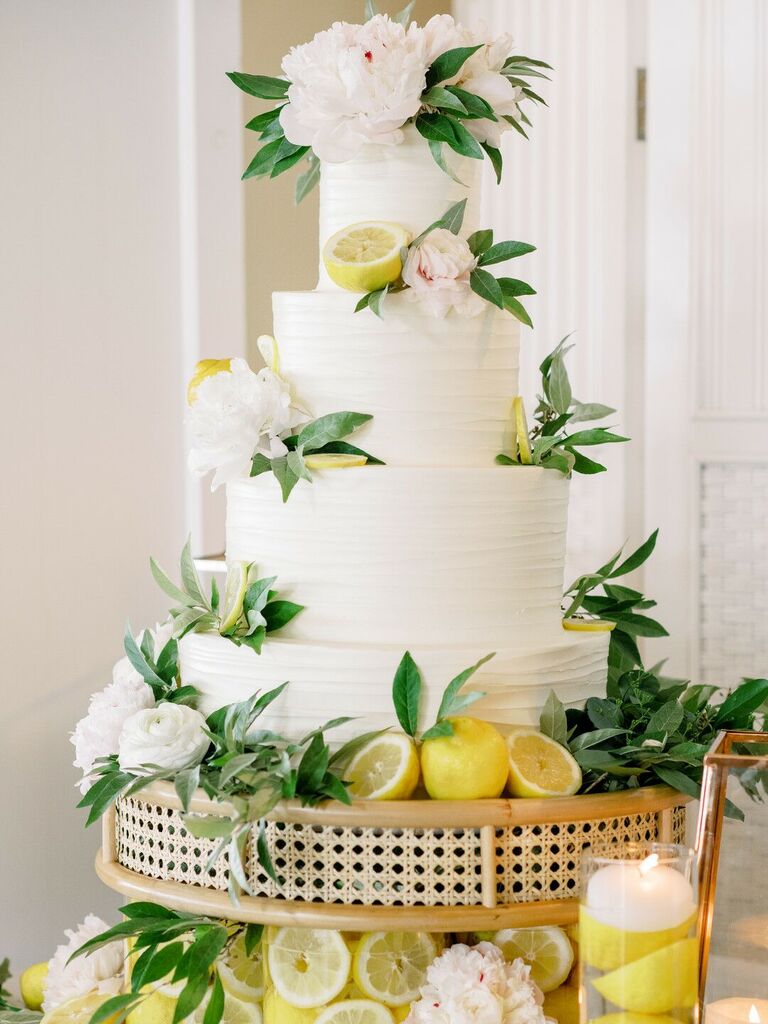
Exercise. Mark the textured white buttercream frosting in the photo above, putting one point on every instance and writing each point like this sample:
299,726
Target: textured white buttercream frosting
410,556
399,183
440,391
356,679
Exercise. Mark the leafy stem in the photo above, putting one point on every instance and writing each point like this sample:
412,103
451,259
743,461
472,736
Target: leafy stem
407,692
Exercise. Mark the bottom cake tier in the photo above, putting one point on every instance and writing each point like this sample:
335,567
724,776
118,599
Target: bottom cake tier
328,679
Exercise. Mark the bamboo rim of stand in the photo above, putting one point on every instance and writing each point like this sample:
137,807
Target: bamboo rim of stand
484,815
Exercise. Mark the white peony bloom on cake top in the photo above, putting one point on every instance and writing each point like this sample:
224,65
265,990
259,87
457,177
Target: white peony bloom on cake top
437,273
480,74
170,736
353,84
474,985
233,415
102,971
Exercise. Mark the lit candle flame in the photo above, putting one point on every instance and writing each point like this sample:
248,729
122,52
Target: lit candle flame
649,864
754,1015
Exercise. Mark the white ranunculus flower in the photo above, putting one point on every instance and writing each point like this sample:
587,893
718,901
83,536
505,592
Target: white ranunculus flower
170,736
480,74
102,971
97,734
353,84
437,272
474,985
234,415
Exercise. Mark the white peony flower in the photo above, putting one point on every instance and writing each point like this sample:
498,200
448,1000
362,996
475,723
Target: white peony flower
169,736
437,272
97,734
476,986
353,84
102,971
480,74
234,415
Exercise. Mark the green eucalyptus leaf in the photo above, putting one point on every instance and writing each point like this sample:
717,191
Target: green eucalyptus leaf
451,702
479,241
444,728
517,310
553,721
494,155
262,121
440,97
742,703
436,149
487,287
406,694
449,64
503,251
637,558
333,427
262,86
559,386
214,1009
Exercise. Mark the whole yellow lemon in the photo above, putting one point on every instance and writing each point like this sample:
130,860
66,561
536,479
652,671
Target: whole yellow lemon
469,765
32,985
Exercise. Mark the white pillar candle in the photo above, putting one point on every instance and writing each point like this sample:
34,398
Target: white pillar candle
640,896
738,1010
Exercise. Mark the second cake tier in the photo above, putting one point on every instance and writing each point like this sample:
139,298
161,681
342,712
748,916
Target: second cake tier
409,556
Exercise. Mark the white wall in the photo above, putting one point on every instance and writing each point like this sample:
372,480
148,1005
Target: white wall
96,342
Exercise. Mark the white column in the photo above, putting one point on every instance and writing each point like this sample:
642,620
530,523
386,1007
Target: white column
574,190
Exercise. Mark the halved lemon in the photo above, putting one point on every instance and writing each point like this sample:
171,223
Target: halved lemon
521,431
539,766
355,1011
546,949
205,368
76,1011
234,594
308,966
236,1011
392,966
583,625
333,460
242,975
366,256
386,768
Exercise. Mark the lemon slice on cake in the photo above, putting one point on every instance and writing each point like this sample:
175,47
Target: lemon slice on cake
392,966
308,966
386,768
242,974
540,767
333,460
521,431
547,950
366,256
584,625
234,594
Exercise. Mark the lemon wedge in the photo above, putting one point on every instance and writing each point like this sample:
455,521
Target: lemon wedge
32,985
547,950
242,975
521,431
204,369
333,460
386,768
578,625
540,767
663,981
234,595
355,1011
392,966
366,256
308,967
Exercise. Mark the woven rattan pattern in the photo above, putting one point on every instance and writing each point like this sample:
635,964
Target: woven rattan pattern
380,866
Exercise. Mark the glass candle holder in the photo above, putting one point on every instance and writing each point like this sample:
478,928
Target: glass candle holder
637,933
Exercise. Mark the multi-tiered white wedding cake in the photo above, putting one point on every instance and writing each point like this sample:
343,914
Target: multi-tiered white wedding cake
440,551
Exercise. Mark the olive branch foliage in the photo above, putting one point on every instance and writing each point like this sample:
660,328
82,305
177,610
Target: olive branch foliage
441,118
407,692
549,443
503,292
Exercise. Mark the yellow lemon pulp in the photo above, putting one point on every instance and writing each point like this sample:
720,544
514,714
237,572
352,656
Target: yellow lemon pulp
521,431
355,1011
204,369
547,950
32,985
469,765
332,460
366,256
309,967
78,1010
392,966
606,948
278,1011
562,1004
386,768
236,1011
589,625
540,767
663,981
242,975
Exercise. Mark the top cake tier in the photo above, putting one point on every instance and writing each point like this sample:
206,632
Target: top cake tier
402,184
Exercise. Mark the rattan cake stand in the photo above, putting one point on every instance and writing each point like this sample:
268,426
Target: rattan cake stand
445,866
